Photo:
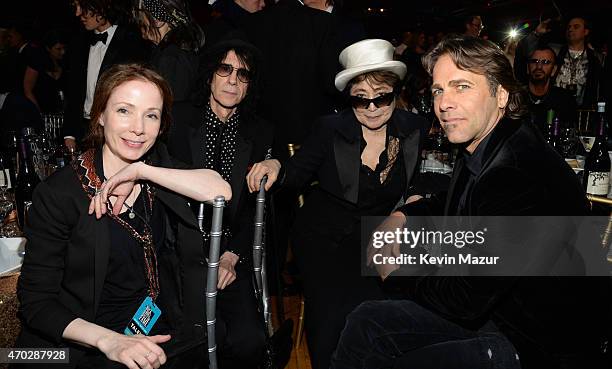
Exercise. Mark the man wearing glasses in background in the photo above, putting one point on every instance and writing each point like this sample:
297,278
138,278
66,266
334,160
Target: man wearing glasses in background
473,25
543,95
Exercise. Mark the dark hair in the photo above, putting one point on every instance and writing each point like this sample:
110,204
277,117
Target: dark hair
53,37
114,11
544,47
185,33
482,57
587,23
114,77
247,55
377,76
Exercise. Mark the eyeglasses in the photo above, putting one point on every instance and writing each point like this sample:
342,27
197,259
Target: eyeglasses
540,61
225,70
380,101
480,26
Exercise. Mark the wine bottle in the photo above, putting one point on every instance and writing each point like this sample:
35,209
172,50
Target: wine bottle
27,179
554,139
597,164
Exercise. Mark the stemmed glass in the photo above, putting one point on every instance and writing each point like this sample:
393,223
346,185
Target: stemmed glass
6,205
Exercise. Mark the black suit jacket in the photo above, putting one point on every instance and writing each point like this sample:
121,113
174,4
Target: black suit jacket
300,54
332,153
126,46
66,263
254,139
545,318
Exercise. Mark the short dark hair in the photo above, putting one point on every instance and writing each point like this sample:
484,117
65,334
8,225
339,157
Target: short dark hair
482,57
114,77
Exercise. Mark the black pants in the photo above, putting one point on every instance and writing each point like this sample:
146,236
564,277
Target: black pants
333,287
402,334
240,330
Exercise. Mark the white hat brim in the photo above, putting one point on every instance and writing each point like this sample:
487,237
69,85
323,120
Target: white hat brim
346,75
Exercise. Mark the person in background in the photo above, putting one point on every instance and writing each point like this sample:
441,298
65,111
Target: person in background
221,131
229,17
106,41
580,66
364,158
473,25
177,38
543,95
43,81
101,244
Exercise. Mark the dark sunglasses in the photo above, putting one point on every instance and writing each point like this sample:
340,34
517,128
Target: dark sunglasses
225,70
380,101
540,61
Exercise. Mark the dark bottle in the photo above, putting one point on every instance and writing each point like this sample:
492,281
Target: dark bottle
554,139
27,179
597,164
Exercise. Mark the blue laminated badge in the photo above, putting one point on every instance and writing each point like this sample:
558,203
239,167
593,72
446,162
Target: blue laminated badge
144,319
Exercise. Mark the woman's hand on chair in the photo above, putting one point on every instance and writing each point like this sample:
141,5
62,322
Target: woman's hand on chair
134,351
269,168
227,273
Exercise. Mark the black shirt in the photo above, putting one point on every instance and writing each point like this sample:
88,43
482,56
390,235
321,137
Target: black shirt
472,166
125,286
557,99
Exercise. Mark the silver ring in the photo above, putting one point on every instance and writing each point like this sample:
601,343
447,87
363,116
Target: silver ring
98,191
148,354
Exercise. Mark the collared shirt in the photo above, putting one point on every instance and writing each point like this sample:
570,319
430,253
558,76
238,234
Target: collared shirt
220,143
472,168
94,62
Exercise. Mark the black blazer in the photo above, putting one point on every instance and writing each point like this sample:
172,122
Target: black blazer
125,47
332,153
254,139
65,265
521,176
300,54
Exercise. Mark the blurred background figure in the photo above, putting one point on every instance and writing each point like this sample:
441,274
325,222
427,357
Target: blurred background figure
177,38
43,81
406,42
473,25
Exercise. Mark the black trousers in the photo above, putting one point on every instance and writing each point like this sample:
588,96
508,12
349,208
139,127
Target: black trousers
240,330
333,287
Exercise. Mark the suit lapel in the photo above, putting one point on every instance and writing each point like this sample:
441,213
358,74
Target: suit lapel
113,49
101,255
453,184
348,157
239,169
196,144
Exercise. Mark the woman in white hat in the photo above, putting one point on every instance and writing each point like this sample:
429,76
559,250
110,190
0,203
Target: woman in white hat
364,159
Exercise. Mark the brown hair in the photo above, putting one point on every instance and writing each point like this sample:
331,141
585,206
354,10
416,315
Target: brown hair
114,77
482,57
378,77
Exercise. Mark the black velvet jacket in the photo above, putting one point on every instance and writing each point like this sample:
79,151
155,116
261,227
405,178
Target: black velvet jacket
544,317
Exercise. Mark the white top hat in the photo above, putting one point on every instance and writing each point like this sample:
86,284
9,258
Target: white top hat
367,56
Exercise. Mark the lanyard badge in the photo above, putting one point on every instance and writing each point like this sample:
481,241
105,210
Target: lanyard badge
145,318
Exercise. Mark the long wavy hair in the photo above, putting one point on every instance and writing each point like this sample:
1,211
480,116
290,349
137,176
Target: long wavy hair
482,57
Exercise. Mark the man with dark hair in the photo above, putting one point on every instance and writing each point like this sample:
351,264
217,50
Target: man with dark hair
105,42
222,132
505,168
579,65
473,25
543,96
